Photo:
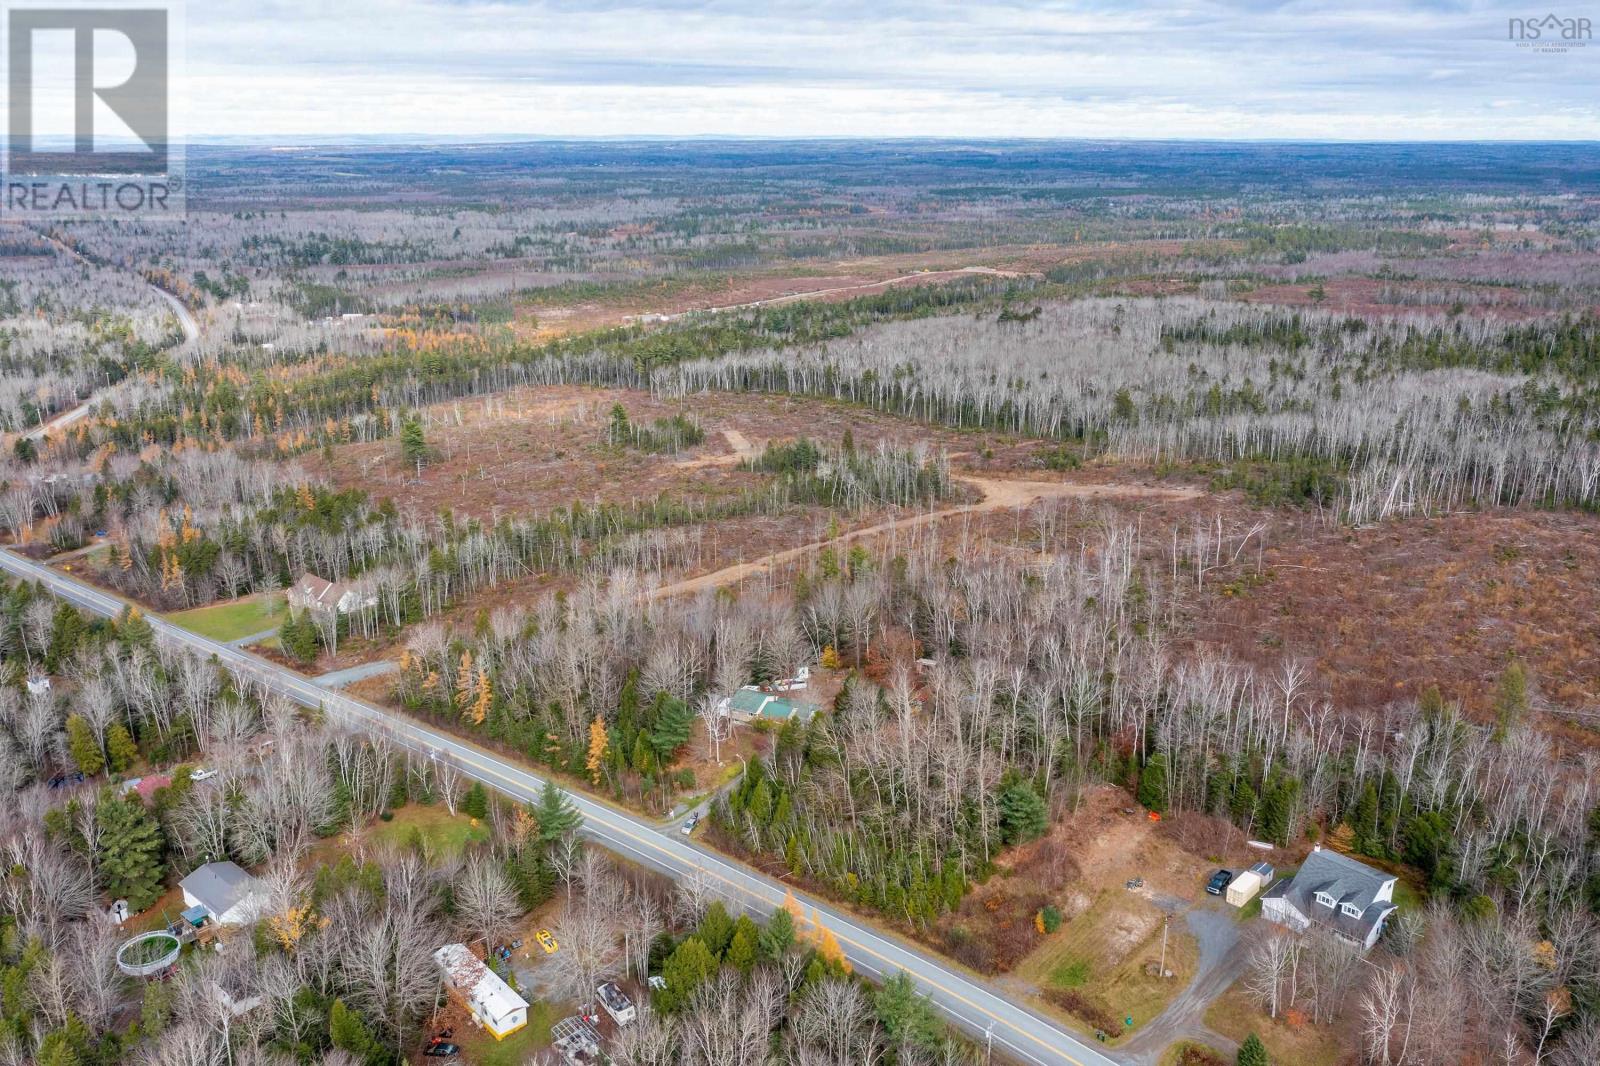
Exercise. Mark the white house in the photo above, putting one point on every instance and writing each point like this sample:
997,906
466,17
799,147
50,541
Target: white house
313,593
1336,892
491,1001
227,894
38,684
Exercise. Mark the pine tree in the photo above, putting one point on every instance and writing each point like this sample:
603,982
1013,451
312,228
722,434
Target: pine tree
1252,1052
673,723
778,937
476,801
744,948
120,748
716,929
84,748
413,442
1023,814
1510,699
907,1016
130,852
1153,784
349,1031
688,967
556,815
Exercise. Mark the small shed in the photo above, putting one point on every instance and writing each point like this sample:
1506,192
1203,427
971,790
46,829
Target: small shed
492,1002
1243,888
227,894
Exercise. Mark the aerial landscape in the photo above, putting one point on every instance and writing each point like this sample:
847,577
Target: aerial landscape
651,594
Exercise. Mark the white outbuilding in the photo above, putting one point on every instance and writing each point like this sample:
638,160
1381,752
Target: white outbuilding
1243,889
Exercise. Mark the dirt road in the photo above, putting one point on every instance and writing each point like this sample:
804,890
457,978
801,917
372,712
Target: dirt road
998,494
921,275
742,450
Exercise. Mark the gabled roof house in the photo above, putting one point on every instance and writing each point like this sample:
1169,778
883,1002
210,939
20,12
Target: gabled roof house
1334,891
227,894
313,593
750,704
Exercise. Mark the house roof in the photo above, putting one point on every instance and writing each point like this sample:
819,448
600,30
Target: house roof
1347,882
219,886
753,701
468,975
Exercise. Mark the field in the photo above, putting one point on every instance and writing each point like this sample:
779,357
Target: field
442,834
235,619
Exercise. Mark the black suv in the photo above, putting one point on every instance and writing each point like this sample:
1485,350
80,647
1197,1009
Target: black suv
1218,883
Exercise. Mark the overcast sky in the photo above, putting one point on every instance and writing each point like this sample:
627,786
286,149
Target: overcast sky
1350,69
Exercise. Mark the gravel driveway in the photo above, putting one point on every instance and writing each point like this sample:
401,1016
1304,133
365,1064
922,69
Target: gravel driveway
1223,952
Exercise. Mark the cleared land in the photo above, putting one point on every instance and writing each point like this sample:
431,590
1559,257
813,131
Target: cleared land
235,619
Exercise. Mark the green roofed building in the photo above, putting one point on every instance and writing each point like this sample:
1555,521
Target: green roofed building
749,704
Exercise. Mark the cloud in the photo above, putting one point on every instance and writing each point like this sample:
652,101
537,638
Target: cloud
1011,68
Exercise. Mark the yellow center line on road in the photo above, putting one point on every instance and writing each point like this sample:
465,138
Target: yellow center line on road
485,764
743,890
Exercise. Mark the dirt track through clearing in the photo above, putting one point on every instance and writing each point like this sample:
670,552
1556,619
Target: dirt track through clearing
742,450
998,494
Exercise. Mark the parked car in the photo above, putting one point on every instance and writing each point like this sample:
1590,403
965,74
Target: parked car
1219,883
202,773
547,941
441,1051
688,827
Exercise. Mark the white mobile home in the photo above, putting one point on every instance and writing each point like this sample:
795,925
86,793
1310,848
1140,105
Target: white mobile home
492,1002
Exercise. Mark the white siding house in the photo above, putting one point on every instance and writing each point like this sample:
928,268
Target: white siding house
1336,892
491,1001
227,894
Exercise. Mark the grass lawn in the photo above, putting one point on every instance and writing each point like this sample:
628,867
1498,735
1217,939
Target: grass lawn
482,1049
1236,1016
235,619
1103,953
442,834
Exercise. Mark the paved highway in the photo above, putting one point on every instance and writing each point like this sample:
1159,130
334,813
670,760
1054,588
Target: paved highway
1016,1032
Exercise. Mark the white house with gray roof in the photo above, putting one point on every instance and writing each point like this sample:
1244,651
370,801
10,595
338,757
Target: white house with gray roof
1334,891
227,894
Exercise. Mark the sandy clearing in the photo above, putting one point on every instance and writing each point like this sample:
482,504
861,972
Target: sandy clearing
998,494
742,450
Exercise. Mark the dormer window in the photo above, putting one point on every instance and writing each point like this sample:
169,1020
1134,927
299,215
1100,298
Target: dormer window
1325,899
1351,909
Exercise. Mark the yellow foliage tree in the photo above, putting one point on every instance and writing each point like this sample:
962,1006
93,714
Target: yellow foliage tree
598,742
830,658
464,683
289,927
484,700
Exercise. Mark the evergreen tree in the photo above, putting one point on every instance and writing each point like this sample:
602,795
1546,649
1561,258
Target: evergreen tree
1023,815
413,442
1510,699
778,937
555,814
120,748
1252,1052
716,929
1153,784
673,723
131,865
907,1016
81,743
476,801
1364,820
744,948
686,969
348,1031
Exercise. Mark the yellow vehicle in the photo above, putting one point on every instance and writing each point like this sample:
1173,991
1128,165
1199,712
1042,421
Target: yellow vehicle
546,941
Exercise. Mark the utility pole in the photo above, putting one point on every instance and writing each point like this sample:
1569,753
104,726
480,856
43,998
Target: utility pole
1166,922
988,1042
